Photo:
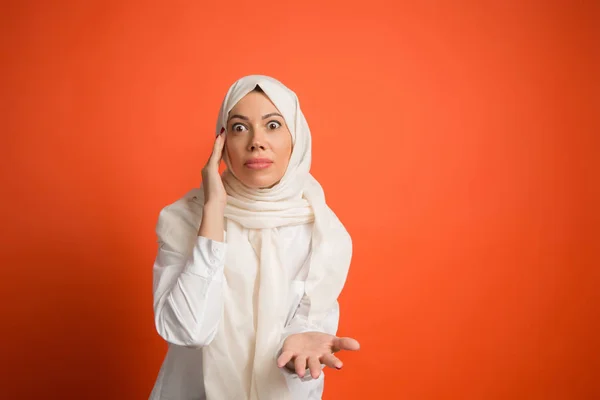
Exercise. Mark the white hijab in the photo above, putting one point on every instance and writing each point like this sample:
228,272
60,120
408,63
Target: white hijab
234,366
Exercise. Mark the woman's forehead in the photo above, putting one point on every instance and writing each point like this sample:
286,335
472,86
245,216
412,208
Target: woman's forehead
255,101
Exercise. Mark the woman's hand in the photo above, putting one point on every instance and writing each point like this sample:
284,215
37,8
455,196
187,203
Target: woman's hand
214,191
215,196
311,349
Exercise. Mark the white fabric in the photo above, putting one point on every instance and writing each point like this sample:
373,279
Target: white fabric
189,291
242,365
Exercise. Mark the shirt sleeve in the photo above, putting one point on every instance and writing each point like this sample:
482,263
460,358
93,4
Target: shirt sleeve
188,287
300,324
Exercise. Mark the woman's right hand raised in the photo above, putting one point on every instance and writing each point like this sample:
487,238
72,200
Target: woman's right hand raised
214,191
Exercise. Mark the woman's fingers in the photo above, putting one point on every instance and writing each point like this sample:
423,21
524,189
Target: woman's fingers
332,361
315,367
284,358
214,191
300,364
345,343
308,353
217,151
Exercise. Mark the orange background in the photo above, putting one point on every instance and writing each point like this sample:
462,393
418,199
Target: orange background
454,139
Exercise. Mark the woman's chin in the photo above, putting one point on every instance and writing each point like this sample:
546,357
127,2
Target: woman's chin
259,182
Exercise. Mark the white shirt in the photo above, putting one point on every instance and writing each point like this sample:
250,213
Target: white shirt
188,306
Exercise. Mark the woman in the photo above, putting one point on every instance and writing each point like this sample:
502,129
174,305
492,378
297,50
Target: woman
250,266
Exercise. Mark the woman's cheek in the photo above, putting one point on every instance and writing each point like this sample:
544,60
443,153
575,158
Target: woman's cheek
283,146
233,151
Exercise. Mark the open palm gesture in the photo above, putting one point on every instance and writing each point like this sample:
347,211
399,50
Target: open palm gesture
311,349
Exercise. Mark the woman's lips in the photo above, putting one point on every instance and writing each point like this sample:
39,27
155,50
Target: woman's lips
259,163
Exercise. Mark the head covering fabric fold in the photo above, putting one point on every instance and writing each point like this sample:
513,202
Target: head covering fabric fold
242,365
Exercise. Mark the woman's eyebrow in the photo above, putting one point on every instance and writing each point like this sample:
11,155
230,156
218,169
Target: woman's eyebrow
248,119
272,115
240,117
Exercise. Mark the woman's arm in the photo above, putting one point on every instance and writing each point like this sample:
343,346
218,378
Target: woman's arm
310,345
188,299
299,324
188,289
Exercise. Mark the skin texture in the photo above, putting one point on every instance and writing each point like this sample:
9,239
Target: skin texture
250,135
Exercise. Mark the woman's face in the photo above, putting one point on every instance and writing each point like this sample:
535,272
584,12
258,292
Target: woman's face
259,143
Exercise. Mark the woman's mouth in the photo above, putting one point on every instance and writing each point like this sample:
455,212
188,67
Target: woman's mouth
258,163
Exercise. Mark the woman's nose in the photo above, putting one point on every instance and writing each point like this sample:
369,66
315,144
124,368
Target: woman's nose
257,140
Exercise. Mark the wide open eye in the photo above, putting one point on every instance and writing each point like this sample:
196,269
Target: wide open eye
238,127
274,125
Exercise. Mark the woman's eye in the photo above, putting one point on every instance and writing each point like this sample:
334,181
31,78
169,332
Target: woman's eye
238,128
274,125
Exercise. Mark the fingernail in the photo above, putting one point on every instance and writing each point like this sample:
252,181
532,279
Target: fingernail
222,130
